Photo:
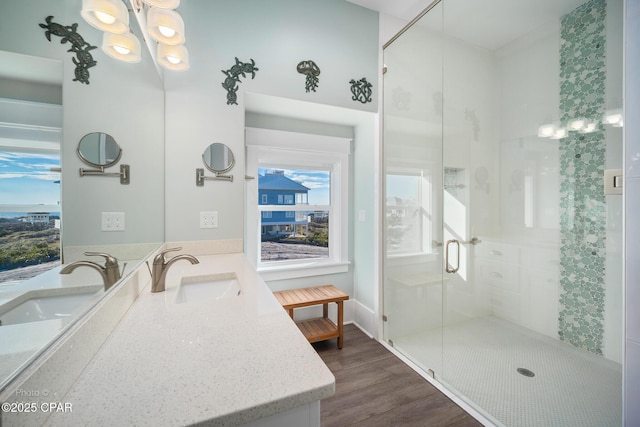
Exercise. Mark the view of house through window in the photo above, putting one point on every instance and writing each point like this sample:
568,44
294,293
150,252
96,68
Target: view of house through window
408,214
29,214
294,207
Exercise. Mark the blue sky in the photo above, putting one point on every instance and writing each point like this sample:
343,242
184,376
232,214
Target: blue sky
25,178
318,183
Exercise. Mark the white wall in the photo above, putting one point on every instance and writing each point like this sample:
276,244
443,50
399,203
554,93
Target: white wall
124,100
338,36
341,38
631,209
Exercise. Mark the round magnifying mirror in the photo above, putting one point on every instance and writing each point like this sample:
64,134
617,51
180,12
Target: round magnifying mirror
218,158
99,149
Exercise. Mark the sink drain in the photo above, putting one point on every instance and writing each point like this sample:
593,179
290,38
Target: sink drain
526,372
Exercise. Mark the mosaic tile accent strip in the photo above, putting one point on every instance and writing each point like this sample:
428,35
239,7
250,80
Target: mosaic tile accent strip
582,160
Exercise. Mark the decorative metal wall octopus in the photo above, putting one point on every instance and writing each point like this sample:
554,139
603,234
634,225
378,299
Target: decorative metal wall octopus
312,71
361,90
68,33
233,77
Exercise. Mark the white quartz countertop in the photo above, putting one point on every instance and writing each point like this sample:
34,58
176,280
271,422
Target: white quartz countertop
224,362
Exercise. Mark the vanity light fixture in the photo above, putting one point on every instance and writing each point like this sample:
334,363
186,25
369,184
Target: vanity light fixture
163,4
124,47
559,133
173,57
165,26
577,124
589,127
613,117
106,15
547,130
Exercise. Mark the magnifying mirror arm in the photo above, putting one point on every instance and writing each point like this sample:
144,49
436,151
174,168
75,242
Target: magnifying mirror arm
123,174
200,178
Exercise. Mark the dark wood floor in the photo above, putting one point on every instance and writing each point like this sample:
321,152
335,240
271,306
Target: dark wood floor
375,388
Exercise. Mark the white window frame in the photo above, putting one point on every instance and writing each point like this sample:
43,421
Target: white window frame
291,150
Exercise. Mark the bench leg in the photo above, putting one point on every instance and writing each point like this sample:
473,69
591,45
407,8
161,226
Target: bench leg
325,311
340,328
290,312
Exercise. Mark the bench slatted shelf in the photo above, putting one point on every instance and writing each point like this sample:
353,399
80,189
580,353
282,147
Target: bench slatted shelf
320,328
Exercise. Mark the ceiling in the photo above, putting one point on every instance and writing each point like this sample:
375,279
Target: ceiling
488,23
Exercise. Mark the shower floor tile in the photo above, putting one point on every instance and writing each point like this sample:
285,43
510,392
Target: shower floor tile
571,387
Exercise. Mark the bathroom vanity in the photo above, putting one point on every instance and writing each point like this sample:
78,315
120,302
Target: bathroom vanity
214,348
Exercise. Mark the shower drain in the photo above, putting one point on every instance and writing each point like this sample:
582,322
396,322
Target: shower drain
526,372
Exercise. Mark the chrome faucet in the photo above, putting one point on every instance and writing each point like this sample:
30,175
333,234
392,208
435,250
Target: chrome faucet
160,267
110,272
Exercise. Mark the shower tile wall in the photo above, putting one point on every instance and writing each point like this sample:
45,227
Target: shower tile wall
582,160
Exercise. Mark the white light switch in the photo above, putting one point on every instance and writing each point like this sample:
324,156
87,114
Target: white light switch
112,221
209,219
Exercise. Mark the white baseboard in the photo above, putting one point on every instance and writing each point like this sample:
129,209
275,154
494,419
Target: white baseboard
364,319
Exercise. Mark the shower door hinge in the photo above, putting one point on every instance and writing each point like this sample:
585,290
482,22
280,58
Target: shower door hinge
384,318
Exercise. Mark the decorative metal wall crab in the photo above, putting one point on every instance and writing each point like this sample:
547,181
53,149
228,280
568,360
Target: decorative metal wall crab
68,33
312,71
233,74
361,90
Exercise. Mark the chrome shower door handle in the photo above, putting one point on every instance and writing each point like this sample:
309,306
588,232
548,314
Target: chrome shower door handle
447,267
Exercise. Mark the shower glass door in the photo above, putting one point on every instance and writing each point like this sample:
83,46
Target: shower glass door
413,174
502,264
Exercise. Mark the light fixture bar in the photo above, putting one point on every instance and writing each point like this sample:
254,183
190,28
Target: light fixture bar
163,4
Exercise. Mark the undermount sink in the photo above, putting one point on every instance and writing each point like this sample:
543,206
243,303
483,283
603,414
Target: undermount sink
208,287
40,305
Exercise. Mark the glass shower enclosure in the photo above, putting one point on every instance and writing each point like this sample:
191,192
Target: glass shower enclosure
502,269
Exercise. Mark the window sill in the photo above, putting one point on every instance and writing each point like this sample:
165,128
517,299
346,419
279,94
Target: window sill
306,269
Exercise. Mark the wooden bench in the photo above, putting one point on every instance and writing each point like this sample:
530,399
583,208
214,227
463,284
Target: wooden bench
321,328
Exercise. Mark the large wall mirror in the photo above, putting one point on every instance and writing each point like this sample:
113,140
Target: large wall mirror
57,214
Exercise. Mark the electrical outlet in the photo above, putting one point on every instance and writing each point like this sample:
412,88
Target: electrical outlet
209,219
112,221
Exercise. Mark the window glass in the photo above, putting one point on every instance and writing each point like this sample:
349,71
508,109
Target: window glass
408,215
301,231
29,215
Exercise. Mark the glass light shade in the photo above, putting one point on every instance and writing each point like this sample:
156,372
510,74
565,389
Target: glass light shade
560,133
165,26
589,127
613,117
106,15
163,4
173,57
577,124
547,130
124,47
